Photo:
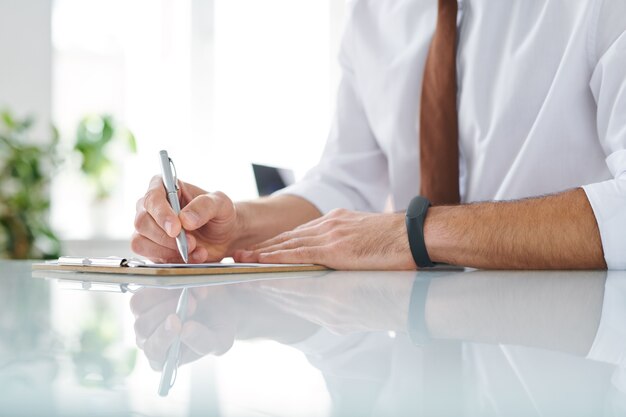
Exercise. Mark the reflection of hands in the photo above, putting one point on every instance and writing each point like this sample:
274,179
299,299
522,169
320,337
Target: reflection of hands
345,302
287,311
341,239
209,329
556,310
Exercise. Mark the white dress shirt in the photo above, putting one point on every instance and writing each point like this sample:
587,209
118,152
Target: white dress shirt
541,99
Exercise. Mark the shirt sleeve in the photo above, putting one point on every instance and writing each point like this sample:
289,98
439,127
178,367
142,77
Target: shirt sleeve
608,85
352,172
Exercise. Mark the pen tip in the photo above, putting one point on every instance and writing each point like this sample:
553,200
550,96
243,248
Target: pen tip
185,258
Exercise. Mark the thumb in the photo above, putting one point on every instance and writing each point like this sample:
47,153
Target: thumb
205,208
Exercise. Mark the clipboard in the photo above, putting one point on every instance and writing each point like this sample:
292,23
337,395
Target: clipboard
125,266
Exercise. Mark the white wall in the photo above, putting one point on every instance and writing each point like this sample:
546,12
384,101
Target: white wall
25,62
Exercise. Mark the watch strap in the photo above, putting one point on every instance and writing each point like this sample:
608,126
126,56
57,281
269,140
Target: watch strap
415,216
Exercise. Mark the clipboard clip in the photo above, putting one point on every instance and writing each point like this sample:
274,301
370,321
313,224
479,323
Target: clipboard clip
111,261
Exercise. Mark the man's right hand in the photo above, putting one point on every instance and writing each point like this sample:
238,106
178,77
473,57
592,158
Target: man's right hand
210,221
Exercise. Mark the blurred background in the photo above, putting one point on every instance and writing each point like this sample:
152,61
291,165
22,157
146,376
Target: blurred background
91,90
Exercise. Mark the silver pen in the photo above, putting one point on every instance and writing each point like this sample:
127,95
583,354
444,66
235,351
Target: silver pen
170,183
173,354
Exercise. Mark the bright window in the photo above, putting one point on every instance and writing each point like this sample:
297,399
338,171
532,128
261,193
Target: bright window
219,83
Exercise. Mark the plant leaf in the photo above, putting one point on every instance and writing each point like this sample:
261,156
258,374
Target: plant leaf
132,142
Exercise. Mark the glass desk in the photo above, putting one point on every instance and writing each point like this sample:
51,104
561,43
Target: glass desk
470,343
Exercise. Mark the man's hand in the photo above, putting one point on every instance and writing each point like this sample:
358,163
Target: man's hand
340,240
210,220
215,226
216,316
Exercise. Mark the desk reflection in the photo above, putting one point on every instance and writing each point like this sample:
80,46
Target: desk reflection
497,343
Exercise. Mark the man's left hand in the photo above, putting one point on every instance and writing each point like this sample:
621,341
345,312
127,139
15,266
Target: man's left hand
342,239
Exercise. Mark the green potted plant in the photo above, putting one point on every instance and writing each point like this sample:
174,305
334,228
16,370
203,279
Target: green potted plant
101,143
26,167
95,138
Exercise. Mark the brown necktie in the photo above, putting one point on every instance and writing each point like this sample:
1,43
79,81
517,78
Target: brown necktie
439,136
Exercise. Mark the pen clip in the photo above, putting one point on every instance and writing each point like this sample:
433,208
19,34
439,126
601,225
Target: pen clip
175,174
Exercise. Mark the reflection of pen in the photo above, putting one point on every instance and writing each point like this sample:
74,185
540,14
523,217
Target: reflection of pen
169,181
171,362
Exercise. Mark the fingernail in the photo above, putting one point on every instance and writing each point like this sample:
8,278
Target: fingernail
190,217
169,227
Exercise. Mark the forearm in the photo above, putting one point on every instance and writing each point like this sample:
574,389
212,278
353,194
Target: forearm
554,232
266,217
552,310
262,319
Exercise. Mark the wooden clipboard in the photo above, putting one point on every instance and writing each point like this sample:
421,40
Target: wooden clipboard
151,271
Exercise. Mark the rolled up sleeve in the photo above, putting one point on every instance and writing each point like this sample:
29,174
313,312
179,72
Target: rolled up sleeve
608,199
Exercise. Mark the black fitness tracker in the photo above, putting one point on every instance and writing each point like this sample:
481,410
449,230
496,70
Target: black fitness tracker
415,215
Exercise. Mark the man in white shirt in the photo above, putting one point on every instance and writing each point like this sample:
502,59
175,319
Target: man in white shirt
541,101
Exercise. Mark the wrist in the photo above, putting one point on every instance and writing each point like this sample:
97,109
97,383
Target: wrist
405,257
241,227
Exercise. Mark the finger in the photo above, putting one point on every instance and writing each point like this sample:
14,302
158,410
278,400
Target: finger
297,242
302,255
148,227
286,236
147,323
157,345
159,254
157,205
189,191
139,205
314,228
204,341
143,246
283,237
187,355
205,208
334,214
312,223
243,256
199,255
